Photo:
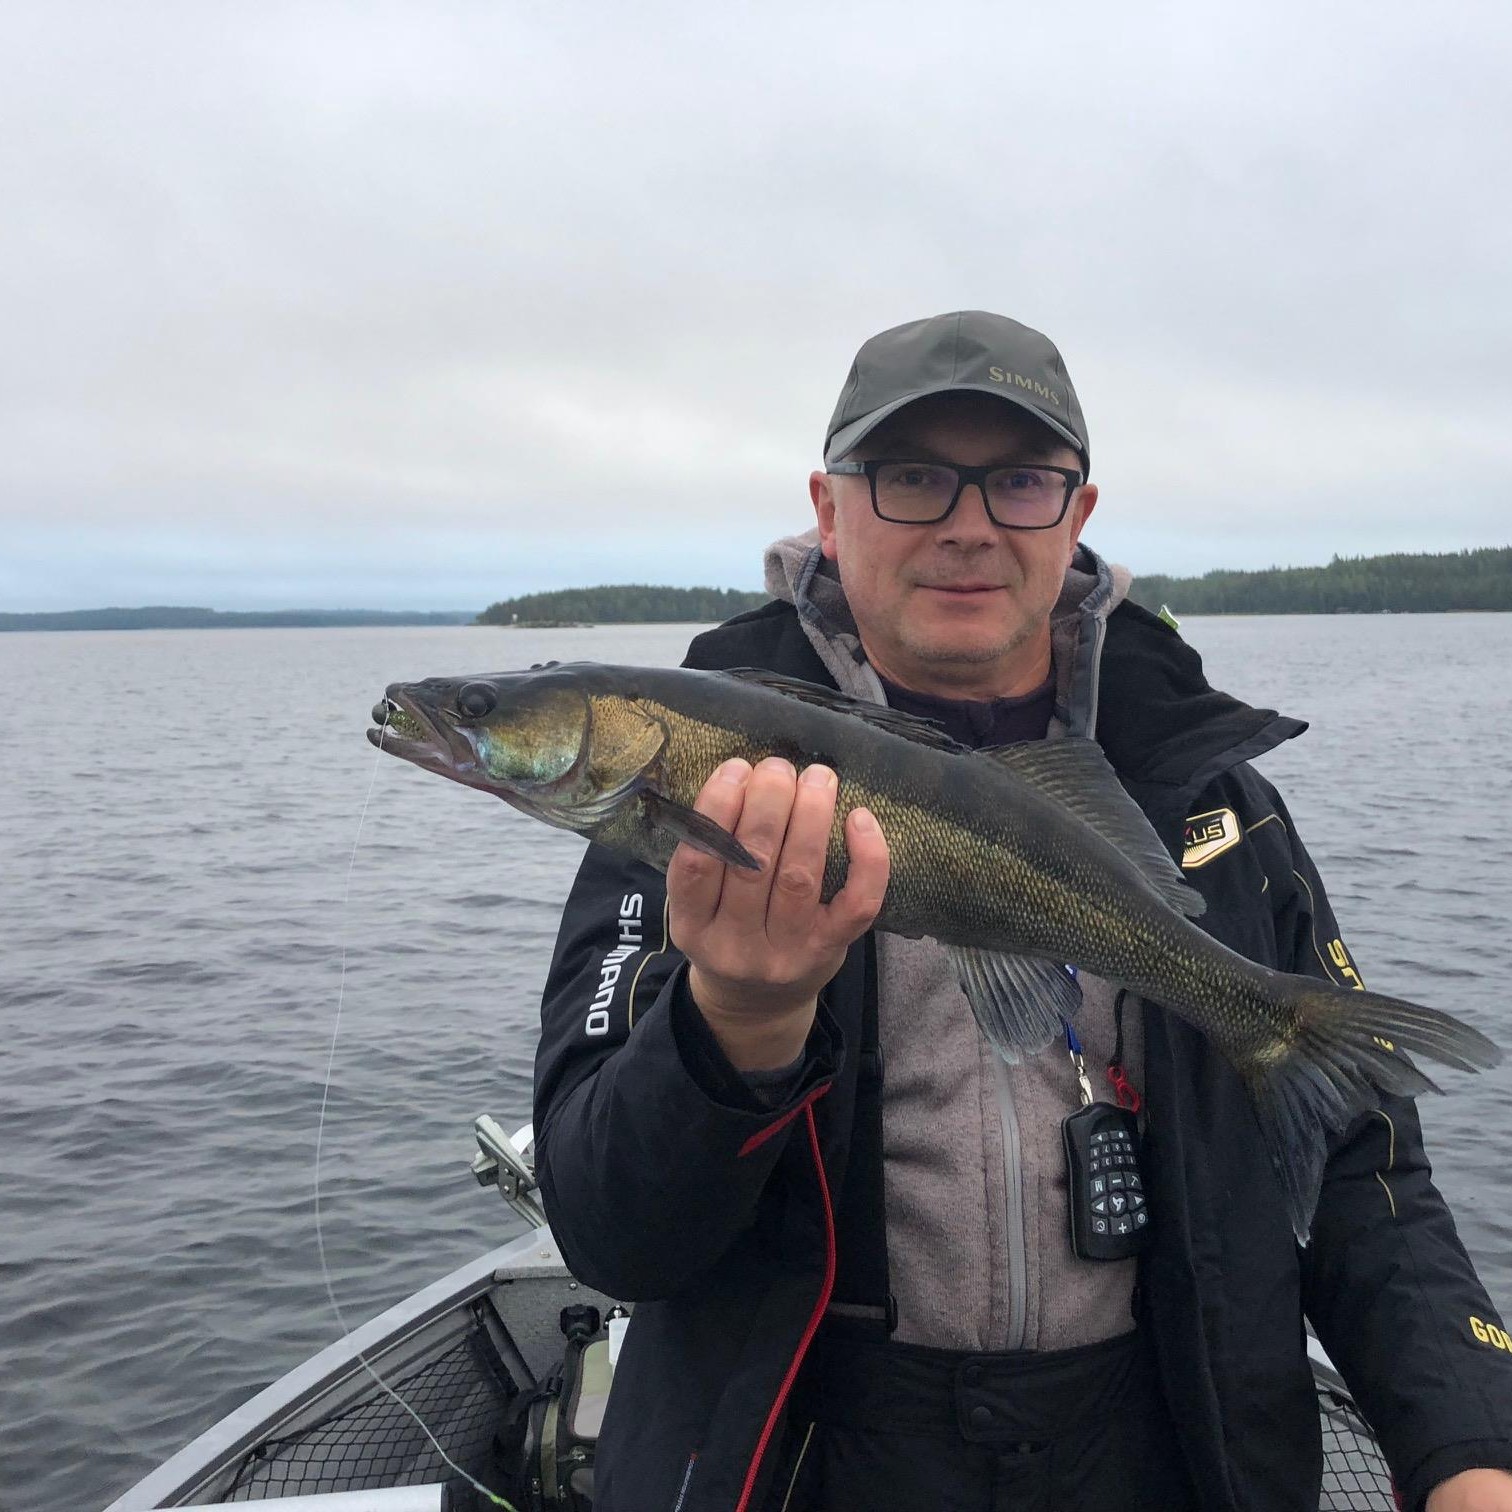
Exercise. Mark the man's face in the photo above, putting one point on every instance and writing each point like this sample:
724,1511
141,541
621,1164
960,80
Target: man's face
960,607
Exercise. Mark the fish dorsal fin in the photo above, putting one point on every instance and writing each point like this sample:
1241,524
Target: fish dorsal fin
909,726
1076,774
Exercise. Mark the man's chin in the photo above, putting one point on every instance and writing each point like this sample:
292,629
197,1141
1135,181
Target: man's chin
963,651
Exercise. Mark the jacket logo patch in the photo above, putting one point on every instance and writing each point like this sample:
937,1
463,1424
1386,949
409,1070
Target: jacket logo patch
1340,957
1209,835
629,923
1489,1333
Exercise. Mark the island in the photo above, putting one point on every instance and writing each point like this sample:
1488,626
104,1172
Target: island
621,604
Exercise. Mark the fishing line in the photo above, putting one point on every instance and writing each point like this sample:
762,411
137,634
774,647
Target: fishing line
325,1269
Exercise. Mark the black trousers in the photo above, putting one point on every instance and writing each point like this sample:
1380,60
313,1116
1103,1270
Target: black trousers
883,1427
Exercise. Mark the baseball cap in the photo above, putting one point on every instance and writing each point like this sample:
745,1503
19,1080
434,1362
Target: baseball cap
970,350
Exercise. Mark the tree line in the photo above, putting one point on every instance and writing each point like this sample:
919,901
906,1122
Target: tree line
1400,584
622,604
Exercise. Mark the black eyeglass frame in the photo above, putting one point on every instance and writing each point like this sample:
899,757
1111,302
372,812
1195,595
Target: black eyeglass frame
965,477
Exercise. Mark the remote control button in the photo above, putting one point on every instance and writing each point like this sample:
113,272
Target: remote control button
1099,1184
1100,1205
1140,1219
1118,1202
1115,1180
1122,1226
1099,1225
1135,1201
1135,1184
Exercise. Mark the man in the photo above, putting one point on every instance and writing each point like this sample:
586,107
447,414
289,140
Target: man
842,1216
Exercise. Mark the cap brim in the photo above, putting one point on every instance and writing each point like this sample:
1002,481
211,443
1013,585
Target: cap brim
849,437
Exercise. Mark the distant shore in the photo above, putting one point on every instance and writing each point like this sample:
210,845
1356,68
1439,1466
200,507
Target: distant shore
168,617
1452,582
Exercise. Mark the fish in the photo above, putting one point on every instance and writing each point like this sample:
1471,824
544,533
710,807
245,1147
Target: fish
1026,862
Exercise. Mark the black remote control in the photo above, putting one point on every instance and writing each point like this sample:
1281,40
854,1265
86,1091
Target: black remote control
1110,1219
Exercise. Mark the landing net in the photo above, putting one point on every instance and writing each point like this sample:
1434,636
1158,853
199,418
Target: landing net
464,1396
374,1441
1355,1476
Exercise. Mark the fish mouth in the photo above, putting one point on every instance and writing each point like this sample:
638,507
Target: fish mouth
404,729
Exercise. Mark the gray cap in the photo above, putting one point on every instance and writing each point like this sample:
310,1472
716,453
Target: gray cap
968,350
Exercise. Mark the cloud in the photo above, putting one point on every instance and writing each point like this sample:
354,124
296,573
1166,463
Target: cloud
545,292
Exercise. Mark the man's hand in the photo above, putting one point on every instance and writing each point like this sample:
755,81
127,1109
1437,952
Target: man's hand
1472,1491
760,944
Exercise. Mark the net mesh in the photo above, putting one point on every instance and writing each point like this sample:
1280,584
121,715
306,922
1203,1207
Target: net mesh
463,1396
1355,1476
372,1442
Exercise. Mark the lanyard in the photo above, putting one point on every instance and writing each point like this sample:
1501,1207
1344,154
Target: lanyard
1074,1046
1125,1093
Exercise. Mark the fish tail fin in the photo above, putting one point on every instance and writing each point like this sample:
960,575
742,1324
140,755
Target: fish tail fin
1349,1050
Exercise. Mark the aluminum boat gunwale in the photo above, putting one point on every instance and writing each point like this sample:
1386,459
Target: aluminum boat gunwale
420,1321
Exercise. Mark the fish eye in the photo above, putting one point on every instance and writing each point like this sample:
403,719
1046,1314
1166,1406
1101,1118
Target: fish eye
477,699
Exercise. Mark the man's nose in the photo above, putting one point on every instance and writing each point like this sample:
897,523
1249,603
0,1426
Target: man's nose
969,519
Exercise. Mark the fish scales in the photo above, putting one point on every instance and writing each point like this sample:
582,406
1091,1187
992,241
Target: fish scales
978,857
973,845
954,844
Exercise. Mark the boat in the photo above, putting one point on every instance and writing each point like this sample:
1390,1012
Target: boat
497,1375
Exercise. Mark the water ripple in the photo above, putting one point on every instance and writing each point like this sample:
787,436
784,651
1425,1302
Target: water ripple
170,987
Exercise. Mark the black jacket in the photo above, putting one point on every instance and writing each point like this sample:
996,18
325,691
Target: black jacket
733,1226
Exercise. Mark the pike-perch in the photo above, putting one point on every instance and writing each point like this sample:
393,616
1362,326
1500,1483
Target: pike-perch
1020,860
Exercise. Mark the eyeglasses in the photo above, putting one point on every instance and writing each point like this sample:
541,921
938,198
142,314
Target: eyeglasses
1019,496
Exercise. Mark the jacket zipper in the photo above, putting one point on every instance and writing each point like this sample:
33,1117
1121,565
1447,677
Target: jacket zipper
1013,1170
1095,664
1013,1212
812,1327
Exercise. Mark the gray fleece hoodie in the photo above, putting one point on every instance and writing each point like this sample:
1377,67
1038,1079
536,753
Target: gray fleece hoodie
979,1255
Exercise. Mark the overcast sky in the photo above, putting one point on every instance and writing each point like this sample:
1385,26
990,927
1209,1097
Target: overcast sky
424,305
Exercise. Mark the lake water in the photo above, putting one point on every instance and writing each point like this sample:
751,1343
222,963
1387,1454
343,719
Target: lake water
178,816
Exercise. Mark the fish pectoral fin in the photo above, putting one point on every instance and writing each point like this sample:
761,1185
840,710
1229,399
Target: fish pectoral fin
1020,1002
910,726
692,828
1078,776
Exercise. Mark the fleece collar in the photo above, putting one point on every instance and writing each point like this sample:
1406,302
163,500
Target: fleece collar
1122,676
798,573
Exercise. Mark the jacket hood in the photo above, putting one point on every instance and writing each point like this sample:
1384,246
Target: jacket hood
1121,674
798,573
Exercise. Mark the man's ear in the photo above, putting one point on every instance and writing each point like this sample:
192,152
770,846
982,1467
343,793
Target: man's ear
1082,506
823,495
